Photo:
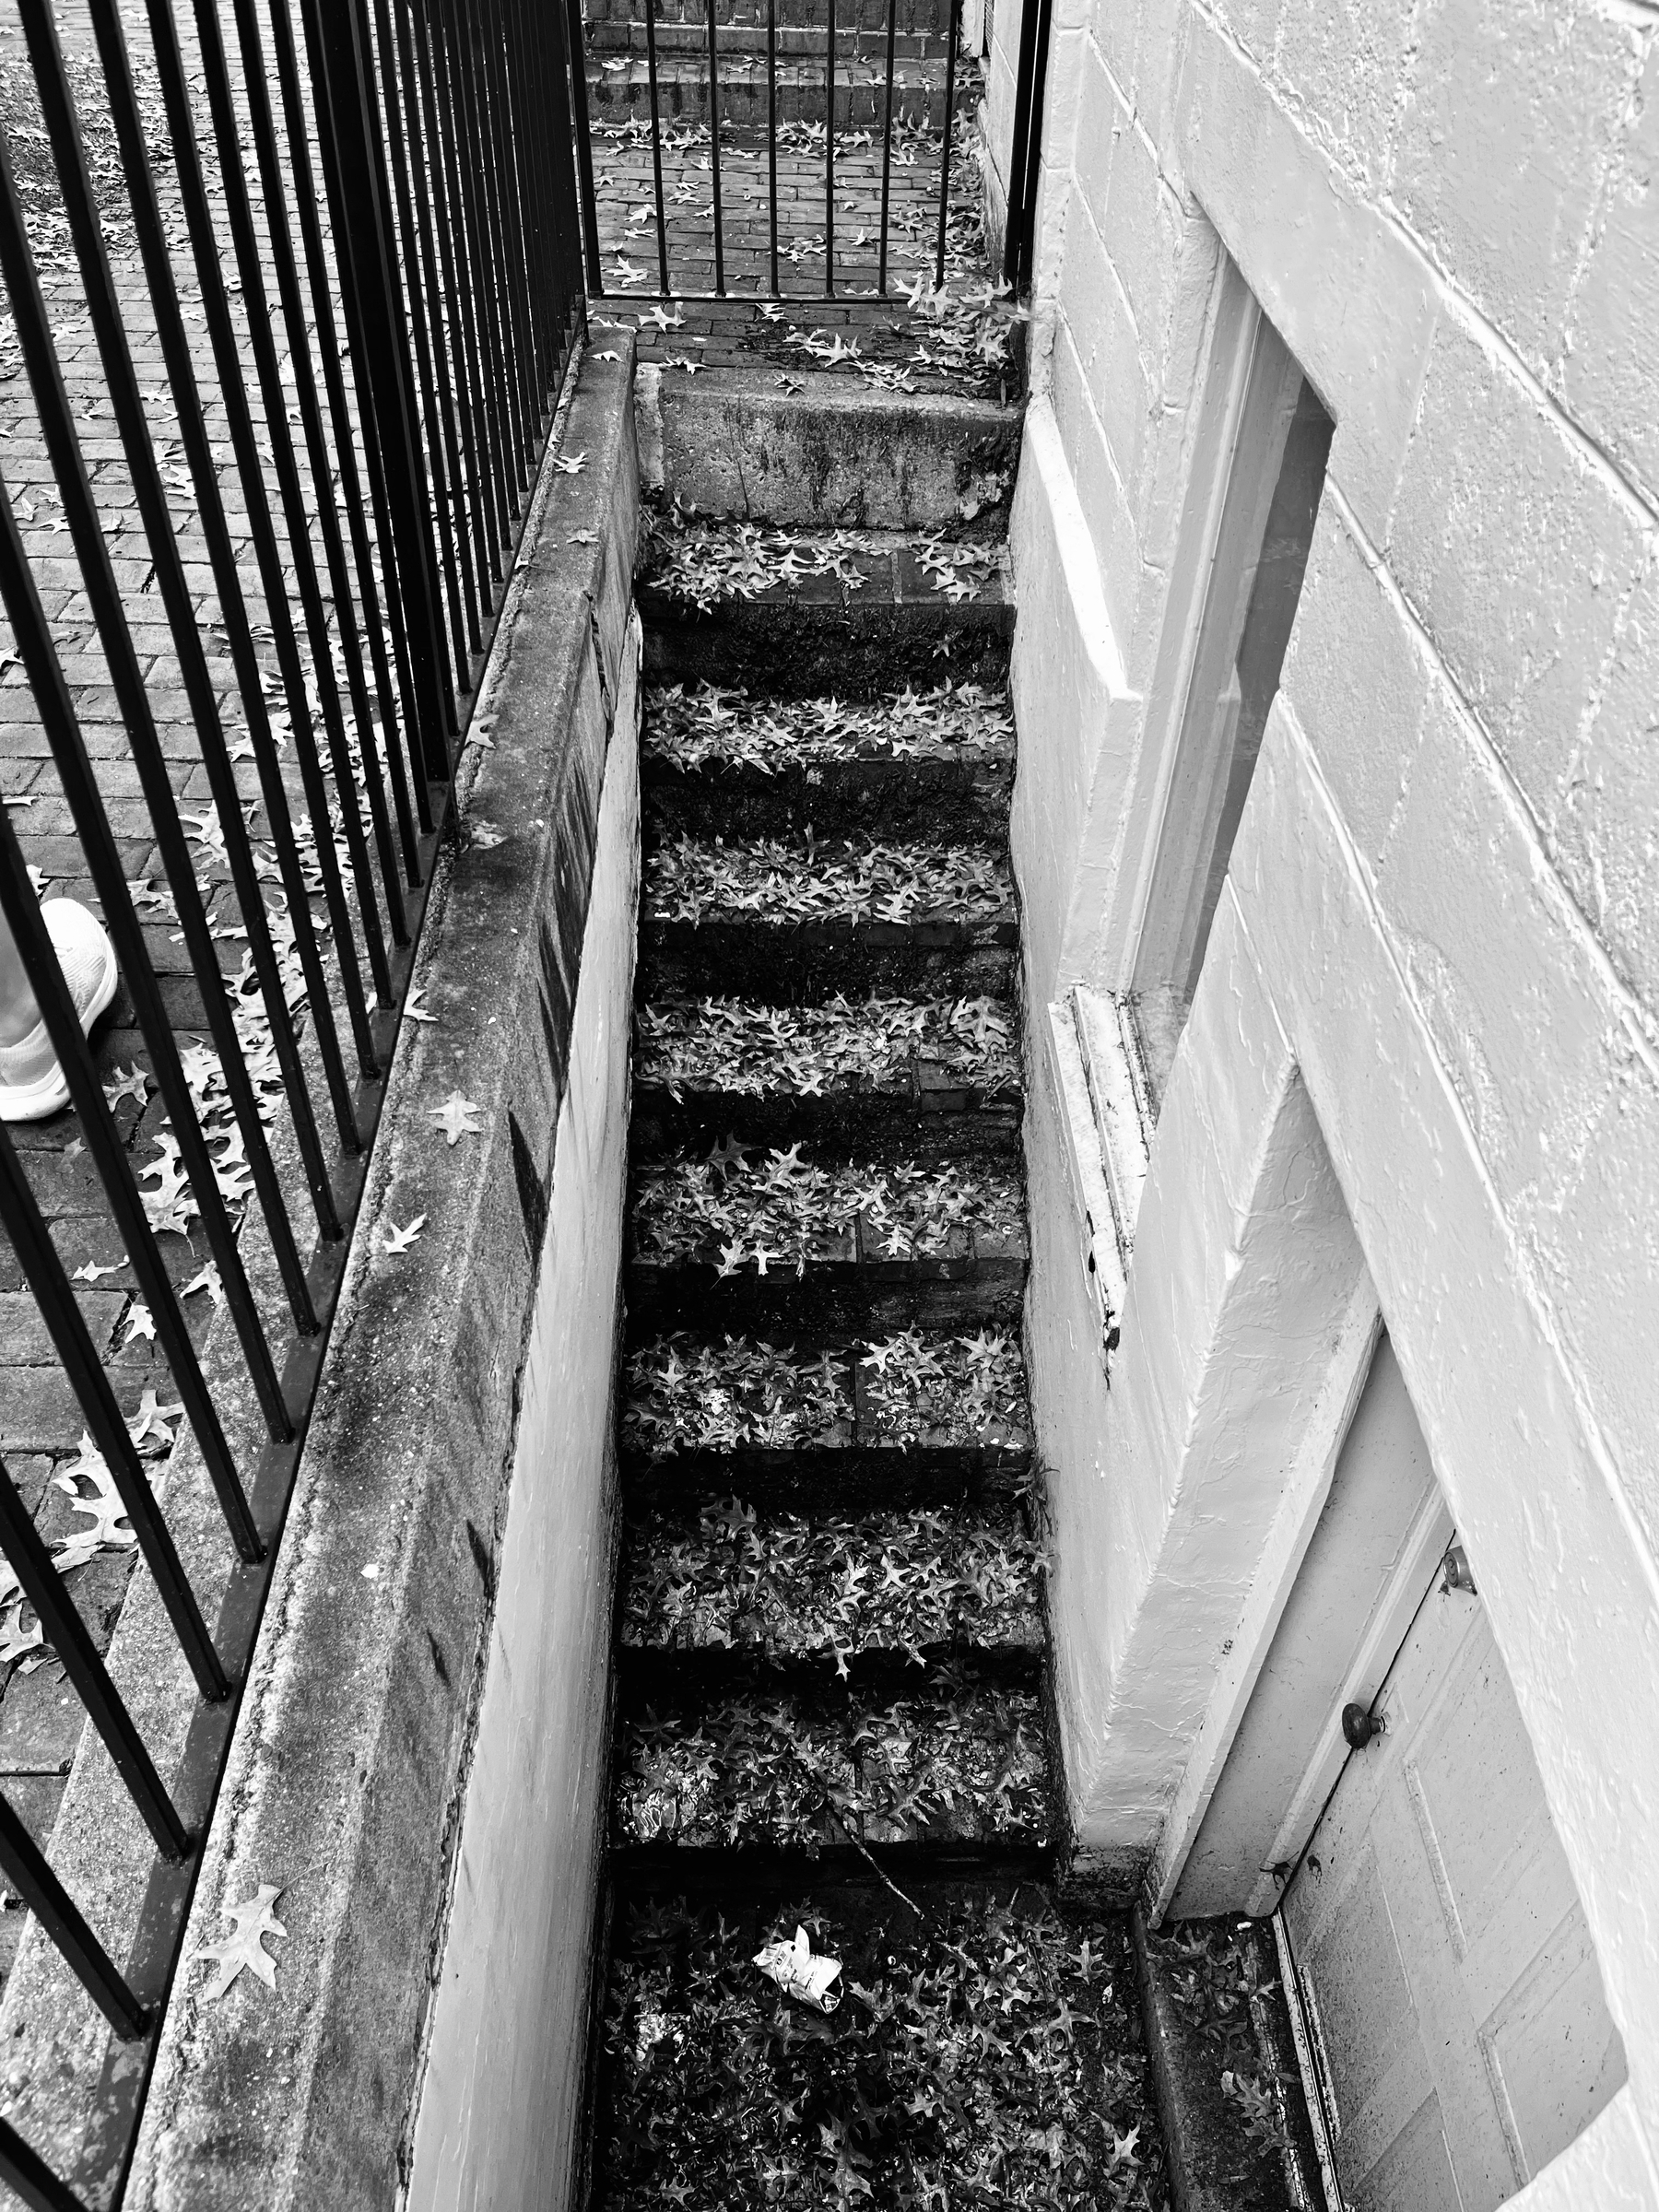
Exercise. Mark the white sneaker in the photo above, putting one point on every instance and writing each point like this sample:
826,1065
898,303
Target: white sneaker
32,1085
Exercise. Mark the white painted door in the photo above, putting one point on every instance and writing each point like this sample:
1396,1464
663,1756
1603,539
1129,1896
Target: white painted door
1454,2001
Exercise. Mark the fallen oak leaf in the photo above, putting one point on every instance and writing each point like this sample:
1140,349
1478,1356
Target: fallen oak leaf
570,464
399,1240
254,1919
457,1117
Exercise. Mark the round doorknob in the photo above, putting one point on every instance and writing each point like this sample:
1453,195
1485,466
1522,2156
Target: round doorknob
1359,1725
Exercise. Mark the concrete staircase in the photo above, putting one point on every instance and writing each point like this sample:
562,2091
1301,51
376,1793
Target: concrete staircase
830,1635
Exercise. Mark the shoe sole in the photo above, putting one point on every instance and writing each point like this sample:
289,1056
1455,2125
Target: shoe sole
40,1101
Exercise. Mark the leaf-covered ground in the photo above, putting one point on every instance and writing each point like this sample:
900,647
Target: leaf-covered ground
781,1210
790,1586
705,562
961,1760
783,883
690,1394
985,2052
693,726
879,1044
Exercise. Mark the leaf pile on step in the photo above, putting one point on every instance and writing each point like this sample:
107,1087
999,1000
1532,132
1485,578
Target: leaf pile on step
945,1390
784,883
708,561
692,726
882,1044
961,1760
890,1581
684,1393
988,2057
1212,1979
782,1208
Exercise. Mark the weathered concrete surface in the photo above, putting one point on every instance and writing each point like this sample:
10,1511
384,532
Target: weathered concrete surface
832,453
501,2101
348,1770
1213,2165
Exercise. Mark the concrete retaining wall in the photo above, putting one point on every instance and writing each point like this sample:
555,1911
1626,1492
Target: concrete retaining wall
441,1596
500,2108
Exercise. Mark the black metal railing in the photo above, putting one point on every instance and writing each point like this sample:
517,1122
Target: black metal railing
711,88
383,289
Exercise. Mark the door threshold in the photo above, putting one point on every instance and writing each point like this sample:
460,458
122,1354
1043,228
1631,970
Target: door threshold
1312,2090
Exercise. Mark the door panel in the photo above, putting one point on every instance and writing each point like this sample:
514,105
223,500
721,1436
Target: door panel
1441,1943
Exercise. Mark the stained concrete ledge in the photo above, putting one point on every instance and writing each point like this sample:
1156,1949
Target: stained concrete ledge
1213,2164
828,452
344,1780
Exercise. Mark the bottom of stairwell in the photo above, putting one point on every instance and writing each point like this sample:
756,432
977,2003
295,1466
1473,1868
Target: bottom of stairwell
985,2050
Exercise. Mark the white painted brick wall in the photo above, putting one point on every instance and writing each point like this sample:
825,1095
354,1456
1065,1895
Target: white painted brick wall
1449,209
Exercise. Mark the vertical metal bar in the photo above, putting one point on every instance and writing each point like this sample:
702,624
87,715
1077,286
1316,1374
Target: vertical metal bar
502,200
429,353
250,267
181,616
34,643
43,1272
584,151
535,177
374,325
471,370
216,306
956,8
828,154
23,2168
547,26
1026,239
1023,126
69,1638
886,147
715,153
401,317
771,135
496,275
445,311
321,277
657,145
263,123
51,1905
22,909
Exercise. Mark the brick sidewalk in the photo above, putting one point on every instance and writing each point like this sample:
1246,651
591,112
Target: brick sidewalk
40,1422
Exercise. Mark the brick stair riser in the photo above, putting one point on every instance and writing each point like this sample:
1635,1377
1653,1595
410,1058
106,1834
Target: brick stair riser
917,55
864,17
954,1122
745,102
944,802
834,1298
830,1480
806,966
742,1874
649,1678
813,647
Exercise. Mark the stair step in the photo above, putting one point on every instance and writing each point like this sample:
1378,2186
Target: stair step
933,764
959,1761
780,919
822,1247
730,1585
737,44
852,18
937,1070
984,2048
855,613
908,1420
799,91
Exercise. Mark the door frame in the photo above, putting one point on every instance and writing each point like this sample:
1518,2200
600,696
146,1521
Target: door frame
1307,1485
